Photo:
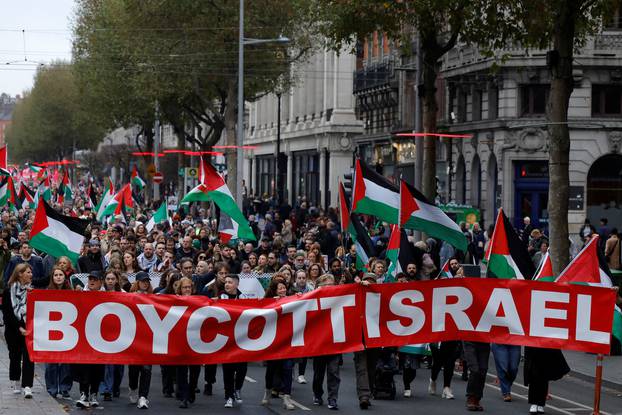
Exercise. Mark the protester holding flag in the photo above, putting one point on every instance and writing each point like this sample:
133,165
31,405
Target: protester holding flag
58,379
14,315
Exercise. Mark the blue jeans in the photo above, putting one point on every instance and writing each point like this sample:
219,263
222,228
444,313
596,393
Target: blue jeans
113,374
58,378
507,358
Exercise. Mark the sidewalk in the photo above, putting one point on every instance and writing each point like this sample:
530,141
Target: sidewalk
41,403
583,366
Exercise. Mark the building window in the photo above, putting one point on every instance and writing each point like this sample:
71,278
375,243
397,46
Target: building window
606,100
534,99
462,105
476,107
615,22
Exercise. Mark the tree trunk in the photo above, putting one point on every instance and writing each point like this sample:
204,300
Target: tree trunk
430,109
230,128
559,137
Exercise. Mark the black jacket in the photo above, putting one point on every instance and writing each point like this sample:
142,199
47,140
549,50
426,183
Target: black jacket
8,316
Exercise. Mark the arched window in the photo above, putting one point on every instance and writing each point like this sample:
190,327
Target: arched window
604,190
476,182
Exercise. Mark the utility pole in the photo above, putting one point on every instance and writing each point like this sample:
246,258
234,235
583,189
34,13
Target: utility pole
418,125
240,126
156,150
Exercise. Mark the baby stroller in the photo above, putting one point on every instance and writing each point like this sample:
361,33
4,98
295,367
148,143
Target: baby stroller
386,368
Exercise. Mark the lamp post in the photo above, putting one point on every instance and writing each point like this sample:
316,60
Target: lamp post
240,131
277,168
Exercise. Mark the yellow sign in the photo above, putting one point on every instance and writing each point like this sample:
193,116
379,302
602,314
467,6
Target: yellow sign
192,172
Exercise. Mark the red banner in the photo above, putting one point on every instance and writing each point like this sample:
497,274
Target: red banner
120,328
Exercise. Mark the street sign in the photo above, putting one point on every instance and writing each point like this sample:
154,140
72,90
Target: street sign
192,172
158,177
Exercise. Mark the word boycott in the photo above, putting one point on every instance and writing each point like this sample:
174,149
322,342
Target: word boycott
116,328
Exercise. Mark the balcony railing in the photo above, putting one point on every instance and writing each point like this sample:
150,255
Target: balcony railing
373,76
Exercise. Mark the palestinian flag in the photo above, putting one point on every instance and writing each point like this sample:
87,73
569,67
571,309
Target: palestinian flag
13,201
227,229
119,202
507,256
203,170
374,194
214,189
26,197
588,267
34,168
44,190
344,209
159,216
545,269
392,254
416,212
91,197
4,191
56,234
364,245
64,189
137,182
105,199
445,271
3,162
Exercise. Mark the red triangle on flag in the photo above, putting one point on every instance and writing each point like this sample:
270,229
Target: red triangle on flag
358,192
41,219
584,268
394,239
408,203
3,157
210,177
499,241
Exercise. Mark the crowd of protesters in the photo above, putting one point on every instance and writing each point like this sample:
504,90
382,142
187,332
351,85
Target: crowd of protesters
302,248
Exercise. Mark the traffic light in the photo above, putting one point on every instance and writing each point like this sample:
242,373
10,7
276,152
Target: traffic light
347,184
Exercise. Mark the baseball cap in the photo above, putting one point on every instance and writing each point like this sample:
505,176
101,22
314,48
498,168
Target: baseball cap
98,275
369,276
142,276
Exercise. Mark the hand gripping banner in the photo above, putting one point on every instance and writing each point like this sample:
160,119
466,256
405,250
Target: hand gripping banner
121,328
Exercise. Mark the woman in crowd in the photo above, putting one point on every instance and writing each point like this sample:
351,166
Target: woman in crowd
130,265
278,372
314,272
140,375
187,375
14,315
58,380
113,374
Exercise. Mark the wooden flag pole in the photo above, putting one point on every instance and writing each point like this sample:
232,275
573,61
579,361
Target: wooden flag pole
597,384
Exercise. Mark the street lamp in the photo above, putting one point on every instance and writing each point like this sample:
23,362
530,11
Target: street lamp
240,132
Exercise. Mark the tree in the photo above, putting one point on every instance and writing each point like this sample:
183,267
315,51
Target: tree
182,54
562,26
50,119
438,23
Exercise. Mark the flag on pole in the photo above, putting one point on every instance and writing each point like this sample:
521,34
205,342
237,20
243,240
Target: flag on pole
545,269
136,181
617,324
392,254
91,197
119,202
4,162
4,191
416,212
13,198
105,199
364,245
227,228
374,194
64,189
507,256
214,189
26,197
44,190
445,271
344,208
588,267
159,216
56,234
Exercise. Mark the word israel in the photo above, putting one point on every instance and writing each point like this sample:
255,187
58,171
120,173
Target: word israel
103,327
